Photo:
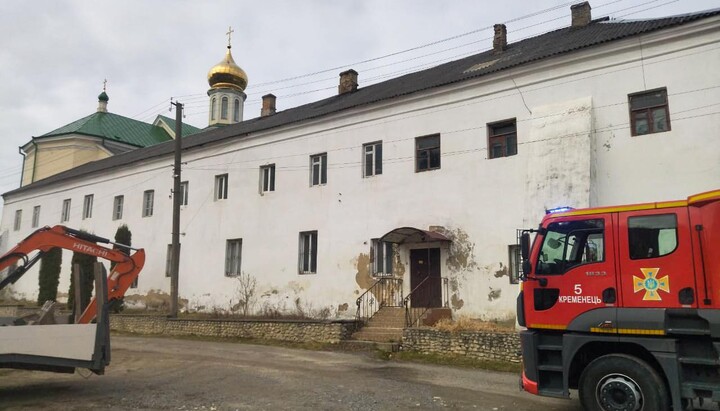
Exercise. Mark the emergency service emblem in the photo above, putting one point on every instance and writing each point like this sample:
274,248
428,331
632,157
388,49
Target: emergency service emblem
651,284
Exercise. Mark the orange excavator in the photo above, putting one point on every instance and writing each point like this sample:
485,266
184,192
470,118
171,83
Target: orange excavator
55,347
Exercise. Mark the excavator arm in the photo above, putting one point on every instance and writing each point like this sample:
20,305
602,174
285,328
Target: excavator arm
125,271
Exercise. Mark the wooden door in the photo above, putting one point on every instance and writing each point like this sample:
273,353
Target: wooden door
425,279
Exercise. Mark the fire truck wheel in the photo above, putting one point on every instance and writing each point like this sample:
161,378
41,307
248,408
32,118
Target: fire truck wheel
622,382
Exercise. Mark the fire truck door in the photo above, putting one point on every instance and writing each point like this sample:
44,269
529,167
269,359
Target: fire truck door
655,254
576,259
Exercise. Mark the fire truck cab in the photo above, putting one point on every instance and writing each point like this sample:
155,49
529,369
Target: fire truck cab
623,304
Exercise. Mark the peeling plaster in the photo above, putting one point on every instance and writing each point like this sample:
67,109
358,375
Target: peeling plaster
398,266
494,294
456,302
363,278
502,272
343,307
154,300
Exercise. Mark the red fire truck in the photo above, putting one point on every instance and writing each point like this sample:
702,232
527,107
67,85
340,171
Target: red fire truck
623,304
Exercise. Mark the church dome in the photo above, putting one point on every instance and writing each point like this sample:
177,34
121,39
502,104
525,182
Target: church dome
227,74
103,97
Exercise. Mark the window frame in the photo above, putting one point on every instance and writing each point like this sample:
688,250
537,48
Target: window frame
65,211
383,253
224,103
236,110
319,160
221,186
87,206
649,112
267,172
514,263
148,203
17,223
118,207
428,152
493,135
36,217
375,159
184,192
630,239
233,257
213,108
307,252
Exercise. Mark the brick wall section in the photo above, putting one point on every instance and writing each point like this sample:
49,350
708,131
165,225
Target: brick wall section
282,330
483,345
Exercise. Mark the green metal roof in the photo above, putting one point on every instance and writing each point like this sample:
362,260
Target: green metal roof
187,129
115,127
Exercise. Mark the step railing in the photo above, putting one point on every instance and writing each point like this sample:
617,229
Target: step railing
423,292
385,292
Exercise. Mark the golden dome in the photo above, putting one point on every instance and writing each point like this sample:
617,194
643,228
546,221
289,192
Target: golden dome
227,74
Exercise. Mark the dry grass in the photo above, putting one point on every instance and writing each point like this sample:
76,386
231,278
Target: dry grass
464,323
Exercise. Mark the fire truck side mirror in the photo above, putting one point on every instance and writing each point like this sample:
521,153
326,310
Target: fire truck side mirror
525,246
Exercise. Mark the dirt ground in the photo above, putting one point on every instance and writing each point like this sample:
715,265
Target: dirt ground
160,373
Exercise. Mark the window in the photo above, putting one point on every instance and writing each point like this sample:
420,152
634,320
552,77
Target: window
36,217
221,187
514,263
236,110
212,108
224,108
148,202
267,178
502,139
427,153
568,244
168,261
87,206
118,207
233,257
184,192
308,252
18,219
382,258
652,236
318,169
372,159
649,112
65,215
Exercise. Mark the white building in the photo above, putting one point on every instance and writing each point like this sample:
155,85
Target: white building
446,163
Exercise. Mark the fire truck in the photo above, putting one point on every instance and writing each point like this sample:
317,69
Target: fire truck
623,304
45,344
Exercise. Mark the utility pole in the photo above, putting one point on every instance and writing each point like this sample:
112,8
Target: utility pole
177,198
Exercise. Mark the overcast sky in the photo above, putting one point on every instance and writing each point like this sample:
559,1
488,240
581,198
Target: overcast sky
54,55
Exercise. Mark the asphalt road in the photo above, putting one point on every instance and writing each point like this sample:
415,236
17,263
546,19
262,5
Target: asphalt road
159,373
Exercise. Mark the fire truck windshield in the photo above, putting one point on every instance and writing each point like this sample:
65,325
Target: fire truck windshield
570,243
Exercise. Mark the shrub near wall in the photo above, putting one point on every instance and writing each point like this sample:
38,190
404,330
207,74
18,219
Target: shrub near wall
281,330
483,345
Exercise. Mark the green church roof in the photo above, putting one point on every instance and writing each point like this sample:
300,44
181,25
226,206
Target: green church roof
115,127
187,129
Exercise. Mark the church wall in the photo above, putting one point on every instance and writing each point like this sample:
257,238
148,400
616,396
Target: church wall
57,155
574,148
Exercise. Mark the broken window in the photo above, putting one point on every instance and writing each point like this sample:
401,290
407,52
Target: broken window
148,203
221,187
318,169
308,252
118,207
652,236
65,215
427,153
36,217
267,178
372,159
18,220
233,257
502,139
382,258
649,112
87,206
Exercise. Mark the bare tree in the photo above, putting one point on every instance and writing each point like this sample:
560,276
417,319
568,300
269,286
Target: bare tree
246,293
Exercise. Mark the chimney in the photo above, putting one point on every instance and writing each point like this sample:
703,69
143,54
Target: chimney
348,81
500,39
581,15
268,105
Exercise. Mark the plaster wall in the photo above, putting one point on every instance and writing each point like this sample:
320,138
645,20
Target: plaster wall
574,148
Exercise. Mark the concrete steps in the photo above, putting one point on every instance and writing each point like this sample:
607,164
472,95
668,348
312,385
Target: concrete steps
384,327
